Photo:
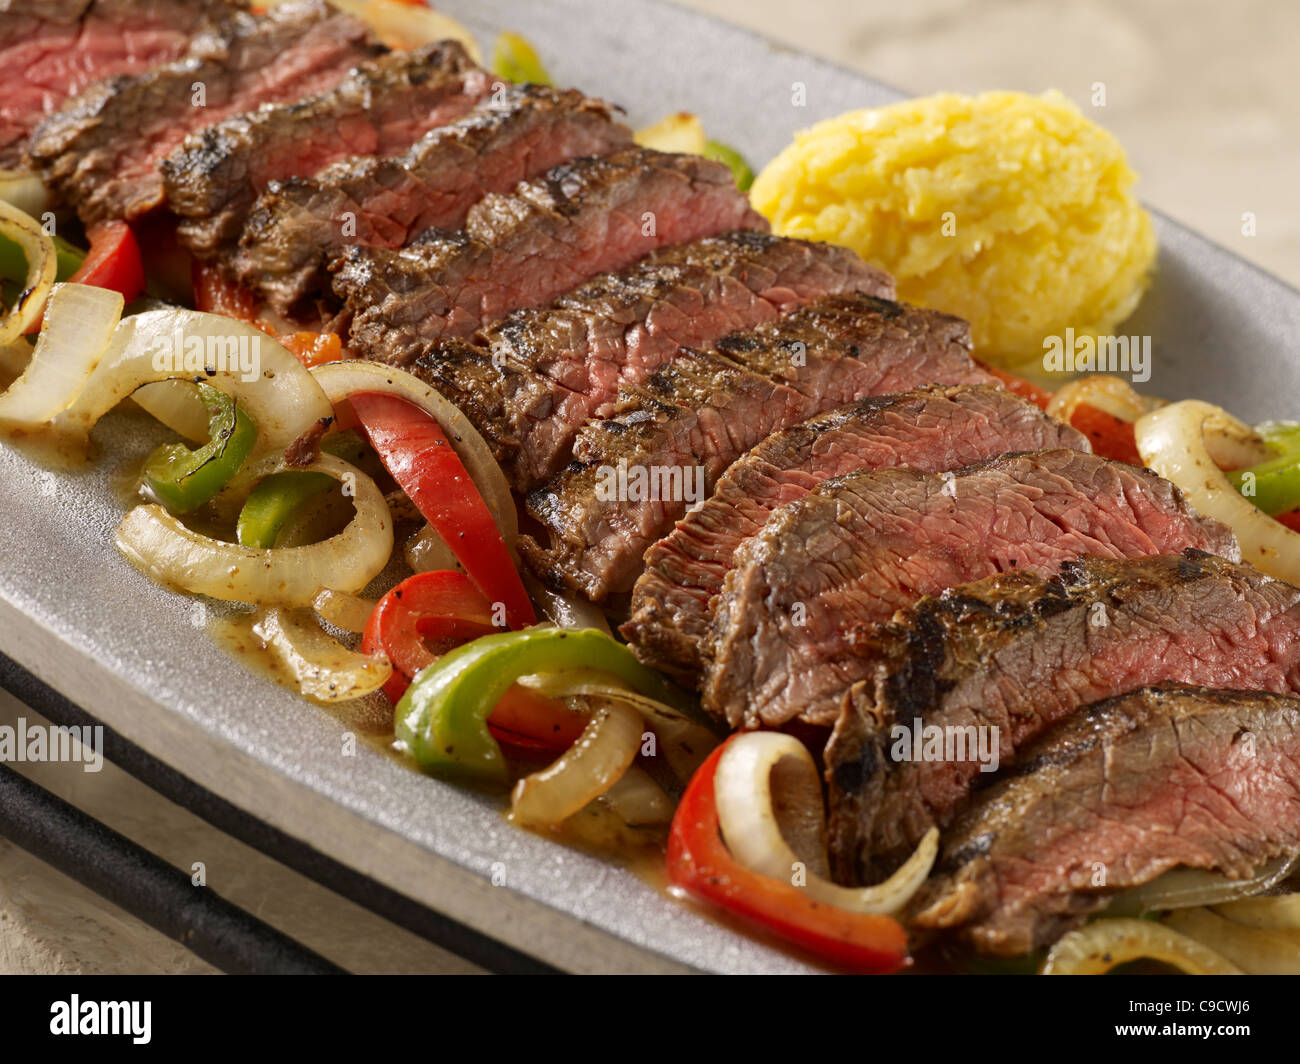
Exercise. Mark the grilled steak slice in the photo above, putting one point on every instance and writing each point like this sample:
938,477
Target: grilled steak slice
556,368
101,151
1155,779
932,429
691,416
381,108
516,134
1018,652
582,218
52,49
829,567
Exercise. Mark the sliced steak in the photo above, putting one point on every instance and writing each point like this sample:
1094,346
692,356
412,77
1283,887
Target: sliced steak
516,134
580,219
557,368
702,414
101,151
826,569
932,429
1018,652
1160,778
381,108
52,49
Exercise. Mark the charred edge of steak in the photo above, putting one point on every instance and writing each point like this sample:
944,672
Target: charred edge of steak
965,639
91,39
101,150
294,230
684,570
550,234
1139,784
218,166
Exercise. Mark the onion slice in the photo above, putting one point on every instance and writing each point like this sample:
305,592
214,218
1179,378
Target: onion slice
686,742
78,329
42,266
280,395
1256,951
1173,442
589,768
1106,944
15,358
1183,888
156,542
1105,392
177,405
320,665
638,800
565,609
749,826
342,379
427,551
1278,910
24,190
349,612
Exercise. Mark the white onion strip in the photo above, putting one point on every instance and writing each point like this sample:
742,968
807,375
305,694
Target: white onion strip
743,785
685,743
177,405
42,267
78,330
1105,392
156,542
1173,442
320,665
345,611
282,398
1106,944
24,190
590,767
342,379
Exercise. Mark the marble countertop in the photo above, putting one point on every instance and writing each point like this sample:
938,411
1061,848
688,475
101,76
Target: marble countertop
1206,99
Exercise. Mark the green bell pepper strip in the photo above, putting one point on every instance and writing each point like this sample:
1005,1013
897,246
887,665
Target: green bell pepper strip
13,263
740,169
514,59
273,501
1274,486
183,479
441,721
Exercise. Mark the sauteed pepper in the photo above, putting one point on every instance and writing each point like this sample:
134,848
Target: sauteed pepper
1274,486
444,606
183,479
273,501
417,453
700,863
442,719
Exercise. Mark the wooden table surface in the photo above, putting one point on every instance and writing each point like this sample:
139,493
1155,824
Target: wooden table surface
1203,95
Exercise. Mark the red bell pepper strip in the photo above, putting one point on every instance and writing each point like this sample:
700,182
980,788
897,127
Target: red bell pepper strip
215,294
699,863
1110,436
415,450
1037,395
1291,520
314,349
113,262
444,606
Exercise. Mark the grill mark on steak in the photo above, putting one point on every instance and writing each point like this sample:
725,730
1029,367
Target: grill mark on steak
557,368
702,412
1142,783
930,429
829,567
579,219
1019,652
53,49
381,108
101,151
514,135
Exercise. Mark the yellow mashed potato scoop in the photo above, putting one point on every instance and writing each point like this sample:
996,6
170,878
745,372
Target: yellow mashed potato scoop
1014,211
